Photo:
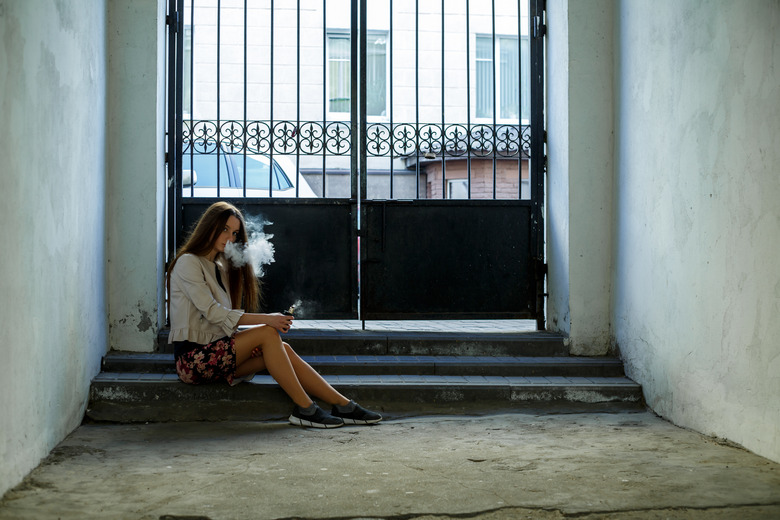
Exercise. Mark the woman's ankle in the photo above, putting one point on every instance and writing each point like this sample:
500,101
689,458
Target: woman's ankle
308,410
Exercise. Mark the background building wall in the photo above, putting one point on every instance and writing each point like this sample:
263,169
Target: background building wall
53,328
697,218
507,179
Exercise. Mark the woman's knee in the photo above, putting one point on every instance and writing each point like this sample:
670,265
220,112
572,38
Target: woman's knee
258,337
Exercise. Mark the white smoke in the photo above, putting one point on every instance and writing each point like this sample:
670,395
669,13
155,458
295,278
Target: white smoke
258,251
297,308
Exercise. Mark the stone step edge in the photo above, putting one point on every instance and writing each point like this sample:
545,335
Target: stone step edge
397,358
331,333
435,365
166,399
417,343
386,380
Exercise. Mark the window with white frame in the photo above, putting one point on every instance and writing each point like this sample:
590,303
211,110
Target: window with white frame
187,78
339,74
505,85
457,188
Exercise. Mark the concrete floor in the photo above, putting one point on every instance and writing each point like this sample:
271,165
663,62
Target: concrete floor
588,466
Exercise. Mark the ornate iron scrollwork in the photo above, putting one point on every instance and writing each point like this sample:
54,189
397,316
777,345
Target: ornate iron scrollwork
258,137
338,138
377,139
335,138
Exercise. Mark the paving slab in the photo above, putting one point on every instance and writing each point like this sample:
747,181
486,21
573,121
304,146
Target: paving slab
489,467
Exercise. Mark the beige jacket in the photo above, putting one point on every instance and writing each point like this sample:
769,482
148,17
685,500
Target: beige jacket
201,310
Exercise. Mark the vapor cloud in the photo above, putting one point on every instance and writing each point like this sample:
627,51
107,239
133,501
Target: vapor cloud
258,251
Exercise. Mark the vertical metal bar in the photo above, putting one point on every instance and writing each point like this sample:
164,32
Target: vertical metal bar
443,140
417,90
353,101
495,96
192,97
519,101
390,56
178,25
271,101
324,90
296,133
219,55
175,82
354,155
468,100
536,43
170,167
243,181
363,101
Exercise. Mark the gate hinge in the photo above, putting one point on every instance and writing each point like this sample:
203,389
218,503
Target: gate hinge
173,20
540,29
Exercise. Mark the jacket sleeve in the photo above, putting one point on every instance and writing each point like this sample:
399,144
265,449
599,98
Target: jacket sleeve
191,280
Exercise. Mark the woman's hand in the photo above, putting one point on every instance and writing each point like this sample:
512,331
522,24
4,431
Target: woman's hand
279,321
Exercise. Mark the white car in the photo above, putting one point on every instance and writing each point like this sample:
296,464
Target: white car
201,180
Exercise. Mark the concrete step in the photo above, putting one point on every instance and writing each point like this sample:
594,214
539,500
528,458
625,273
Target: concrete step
149,397
395,372
416,343
163,363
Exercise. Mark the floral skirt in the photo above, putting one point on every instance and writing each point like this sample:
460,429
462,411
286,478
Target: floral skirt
208,363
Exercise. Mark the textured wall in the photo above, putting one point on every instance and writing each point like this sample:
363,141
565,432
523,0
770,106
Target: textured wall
136,125
697,272
580,171
52,194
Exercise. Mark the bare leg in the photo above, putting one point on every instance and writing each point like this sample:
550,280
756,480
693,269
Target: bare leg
312,381
250,366
274,358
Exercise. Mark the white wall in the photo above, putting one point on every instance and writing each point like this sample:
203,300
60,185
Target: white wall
136,186
52,194
580,172
697,270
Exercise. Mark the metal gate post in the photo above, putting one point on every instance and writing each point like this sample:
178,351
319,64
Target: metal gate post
537,32
175,109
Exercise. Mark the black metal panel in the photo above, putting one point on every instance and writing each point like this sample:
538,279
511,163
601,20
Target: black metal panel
313,256
447,259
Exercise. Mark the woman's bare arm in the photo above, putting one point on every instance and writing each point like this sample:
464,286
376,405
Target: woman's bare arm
279,321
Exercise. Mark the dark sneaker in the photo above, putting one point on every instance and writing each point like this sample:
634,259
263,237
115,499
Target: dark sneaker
358,415
319,419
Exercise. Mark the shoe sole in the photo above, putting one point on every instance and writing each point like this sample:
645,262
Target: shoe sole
295,421
357,421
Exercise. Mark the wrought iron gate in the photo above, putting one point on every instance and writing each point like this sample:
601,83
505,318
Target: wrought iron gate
386,198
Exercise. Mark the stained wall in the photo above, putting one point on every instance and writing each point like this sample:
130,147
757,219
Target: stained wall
696,277
53,328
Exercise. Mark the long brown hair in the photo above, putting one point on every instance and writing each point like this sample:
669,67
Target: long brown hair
244,287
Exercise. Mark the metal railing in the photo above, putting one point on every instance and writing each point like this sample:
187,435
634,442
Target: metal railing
335,138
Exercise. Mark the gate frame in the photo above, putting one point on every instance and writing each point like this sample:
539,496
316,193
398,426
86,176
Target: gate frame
358,123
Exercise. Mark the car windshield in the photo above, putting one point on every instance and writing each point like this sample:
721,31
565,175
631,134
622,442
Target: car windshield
257,173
